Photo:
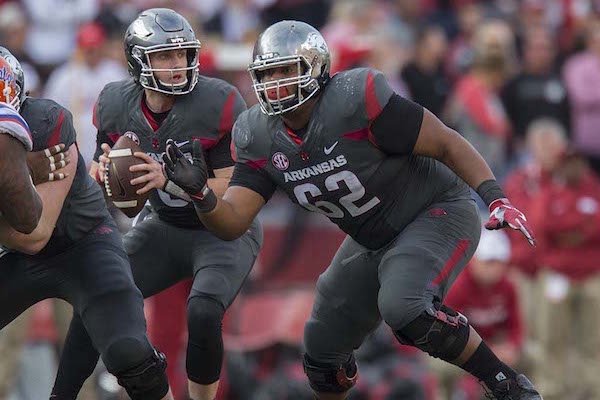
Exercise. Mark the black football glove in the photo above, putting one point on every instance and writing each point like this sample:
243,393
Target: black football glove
192,177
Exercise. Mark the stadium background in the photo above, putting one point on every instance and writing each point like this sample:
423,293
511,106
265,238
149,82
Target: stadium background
519,78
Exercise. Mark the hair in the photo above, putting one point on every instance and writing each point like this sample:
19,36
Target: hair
547,124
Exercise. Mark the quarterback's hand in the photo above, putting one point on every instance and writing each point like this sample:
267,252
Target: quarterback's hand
48,164
103,162
503,214
154,177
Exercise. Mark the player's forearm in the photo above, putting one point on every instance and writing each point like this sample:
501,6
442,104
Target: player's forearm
35,241
224,221
462,158
20,204
21,207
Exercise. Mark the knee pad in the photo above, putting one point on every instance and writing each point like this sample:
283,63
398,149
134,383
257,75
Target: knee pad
439,331
331,378
146,381
205,340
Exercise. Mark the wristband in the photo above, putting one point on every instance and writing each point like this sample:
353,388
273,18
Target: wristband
489,191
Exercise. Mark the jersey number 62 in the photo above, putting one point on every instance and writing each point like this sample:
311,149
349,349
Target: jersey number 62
332,183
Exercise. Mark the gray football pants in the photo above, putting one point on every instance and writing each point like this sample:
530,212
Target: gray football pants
395,283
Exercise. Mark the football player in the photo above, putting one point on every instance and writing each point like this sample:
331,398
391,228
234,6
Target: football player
167,98
76,253
390,175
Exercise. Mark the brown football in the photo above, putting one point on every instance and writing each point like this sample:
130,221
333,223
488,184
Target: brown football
122,194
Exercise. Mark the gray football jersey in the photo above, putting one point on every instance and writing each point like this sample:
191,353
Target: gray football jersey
84,207
337,170
207,114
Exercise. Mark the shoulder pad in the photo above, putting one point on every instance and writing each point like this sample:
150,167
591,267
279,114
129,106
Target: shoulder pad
112,102
250,136
365,92
13,124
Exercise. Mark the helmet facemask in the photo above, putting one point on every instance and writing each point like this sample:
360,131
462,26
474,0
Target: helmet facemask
148,79
304,85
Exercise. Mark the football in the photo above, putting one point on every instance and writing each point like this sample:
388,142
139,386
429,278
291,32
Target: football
122,194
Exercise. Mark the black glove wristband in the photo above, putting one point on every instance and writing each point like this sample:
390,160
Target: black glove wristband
206,201
489,191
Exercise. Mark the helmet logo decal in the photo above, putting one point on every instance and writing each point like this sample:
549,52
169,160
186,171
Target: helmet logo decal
6,75
280,161
177,40
267,56
139,29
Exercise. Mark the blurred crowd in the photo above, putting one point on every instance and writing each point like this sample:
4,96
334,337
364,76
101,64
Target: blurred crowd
520,79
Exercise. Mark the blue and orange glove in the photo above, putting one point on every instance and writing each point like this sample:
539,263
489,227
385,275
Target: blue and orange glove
503,214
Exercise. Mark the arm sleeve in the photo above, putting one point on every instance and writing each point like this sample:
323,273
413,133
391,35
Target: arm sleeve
396,129
253,179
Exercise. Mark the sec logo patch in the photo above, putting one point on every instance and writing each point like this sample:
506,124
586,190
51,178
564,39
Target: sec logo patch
280,161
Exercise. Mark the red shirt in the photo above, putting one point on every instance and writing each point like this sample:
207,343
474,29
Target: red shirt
521,187
493,310
567,219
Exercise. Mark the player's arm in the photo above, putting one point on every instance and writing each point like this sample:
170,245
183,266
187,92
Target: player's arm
20,204
52,195
404,127
229,217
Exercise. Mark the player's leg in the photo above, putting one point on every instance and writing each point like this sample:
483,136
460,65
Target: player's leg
220,269
415,274
101,289
344,313
146,244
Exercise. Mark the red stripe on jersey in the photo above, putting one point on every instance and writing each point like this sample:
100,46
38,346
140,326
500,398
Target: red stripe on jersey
257,164
233,151
113,136
206,143
362,134
458,253
95,115
148,114
297,139
373,106
226,122
55,136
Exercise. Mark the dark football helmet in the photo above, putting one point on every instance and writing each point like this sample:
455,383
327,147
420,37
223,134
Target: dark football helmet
12,79
297,45
155,30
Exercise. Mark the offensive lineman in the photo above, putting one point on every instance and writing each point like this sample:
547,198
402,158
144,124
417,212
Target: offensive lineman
390,175
75,253
168,99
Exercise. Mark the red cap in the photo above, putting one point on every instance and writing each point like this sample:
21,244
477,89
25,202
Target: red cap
90,35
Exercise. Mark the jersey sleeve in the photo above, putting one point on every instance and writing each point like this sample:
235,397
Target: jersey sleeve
394,121
98,121
219,156
249,161
13,124
63,130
